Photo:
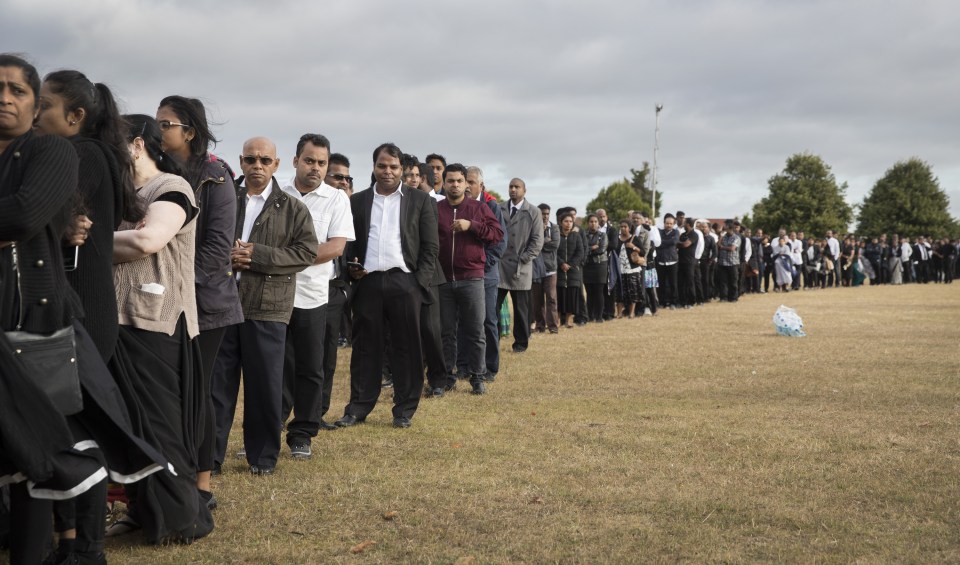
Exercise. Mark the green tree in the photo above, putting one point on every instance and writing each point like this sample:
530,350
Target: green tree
496,195
640,183
617,199
804,196
908,200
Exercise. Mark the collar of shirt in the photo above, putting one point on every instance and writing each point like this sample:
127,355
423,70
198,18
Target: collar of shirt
322,191
398,191
518,205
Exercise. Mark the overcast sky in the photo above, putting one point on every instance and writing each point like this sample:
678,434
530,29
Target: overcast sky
559,93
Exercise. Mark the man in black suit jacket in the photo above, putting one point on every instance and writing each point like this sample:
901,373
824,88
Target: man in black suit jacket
397,245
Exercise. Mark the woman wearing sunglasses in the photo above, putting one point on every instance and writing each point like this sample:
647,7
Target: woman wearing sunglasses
187,138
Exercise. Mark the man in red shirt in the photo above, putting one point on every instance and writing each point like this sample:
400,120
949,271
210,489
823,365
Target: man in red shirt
465,227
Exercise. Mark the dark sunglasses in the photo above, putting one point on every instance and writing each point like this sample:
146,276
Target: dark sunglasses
251,160
338,176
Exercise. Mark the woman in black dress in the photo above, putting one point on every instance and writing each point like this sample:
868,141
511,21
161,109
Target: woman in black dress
569,257
38,182
595,268
86,114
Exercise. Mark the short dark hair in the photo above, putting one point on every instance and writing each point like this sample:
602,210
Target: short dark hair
192,112
314,139
339,159
681,213
689,221
426,173
30,73
391,149
409,161
543,207
454,168
436,156
668,215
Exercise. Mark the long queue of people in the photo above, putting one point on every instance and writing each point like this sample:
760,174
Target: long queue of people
178,282
599,270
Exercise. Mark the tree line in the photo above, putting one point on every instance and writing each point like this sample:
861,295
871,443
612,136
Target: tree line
806,196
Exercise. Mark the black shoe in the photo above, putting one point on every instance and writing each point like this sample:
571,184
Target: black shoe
401,422
478,386
261,471
435,392
519,348
347,421
217,469
325,425
554,330
489,377
451,385
300,449
208,499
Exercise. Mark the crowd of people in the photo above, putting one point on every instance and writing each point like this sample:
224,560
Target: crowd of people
180,281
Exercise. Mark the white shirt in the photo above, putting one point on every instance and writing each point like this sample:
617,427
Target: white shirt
905,251
330,210
834,247
698,252
255,204
437,196
383,240
748,248
518,206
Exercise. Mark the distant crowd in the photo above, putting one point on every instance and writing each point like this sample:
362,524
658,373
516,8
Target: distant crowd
157,283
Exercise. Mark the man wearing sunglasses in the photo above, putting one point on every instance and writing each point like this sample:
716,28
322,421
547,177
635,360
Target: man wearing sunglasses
275,239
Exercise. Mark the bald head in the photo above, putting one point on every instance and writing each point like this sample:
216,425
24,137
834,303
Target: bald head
258,162
518,190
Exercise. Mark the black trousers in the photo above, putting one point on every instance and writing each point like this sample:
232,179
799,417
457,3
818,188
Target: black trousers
336,304
729,283
256,348
668,284
30,525
687,283
595,300
432,339
521,313
303,377
383,300
209,342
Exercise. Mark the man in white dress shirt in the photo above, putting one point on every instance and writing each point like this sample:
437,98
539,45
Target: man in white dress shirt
303,377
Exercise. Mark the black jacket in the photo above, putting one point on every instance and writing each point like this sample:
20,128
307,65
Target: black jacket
570,252
419,242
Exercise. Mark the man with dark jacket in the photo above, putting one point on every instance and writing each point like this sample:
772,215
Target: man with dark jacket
667,262
465,226
491,280
275,241
392,261
544,288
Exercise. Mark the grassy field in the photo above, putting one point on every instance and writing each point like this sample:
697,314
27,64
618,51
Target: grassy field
696,436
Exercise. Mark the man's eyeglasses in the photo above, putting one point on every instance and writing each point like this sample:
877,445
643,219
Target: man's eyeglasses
251,160
167,124
338,176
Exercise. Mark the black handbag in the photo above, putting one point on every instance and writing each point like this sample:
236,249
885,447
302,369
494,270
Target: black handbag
51,362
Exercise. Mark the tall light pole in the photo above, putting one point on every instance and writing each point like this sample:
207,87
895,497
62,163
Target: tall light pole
653,180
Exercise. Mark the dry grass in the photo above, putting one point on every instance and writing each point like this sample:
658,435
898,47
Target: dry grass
695,436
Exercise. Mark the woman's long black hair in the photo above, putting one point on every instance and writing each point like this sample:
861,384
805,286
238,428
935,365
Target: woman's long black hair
102,121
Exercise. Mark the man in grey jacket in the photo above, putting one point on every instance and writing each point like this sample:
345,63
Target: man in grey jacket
545,277
524,240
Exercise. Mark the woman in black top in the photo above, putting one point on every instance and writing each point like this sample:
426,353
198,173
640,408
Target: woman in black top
569,256
595,268
38,181
85,113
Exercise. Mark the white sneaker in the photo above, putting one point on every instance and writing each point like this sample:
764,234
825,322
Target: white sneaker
646,312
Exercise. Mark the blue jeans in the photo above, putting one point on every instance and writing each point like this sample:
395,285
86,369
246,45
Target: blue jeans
462,312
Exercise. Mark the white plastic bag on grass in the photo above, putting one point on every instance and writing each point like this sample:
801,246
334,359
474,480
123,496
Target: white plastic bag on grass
788,322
